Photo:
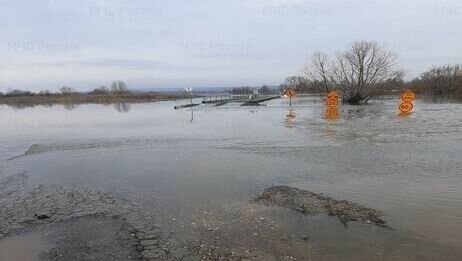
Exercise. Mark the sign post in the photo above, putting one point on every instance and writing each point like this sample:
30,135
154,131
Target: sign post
407,105
189,91
332,106
290,93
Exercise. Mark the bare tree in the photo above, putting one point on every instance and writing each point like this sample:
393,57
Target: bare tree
119,87
264,89
242,90
361,69
443,80
298,83
18,93
67,90
102,90
44,93
318,70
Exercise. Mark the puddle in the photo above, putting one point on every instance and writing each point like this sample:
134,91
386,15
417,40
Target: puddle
23,248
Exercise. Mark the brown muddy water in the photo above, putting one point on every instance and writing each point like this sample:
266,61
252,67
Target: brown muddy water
196,173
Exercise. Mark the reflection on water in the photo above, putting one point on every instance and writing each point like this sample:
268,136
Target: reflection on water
122,107
404,114
290,118
198,178
69,105
192,115
353,113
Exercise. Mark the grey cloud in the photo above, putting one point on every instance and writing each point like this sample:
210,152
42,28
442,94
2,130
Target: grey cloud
129,64
209,41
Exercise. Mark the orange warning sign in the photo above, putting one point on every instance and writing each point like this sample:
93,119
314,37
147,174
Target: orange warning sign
406,107
333,95
332,113
408,96
330,103
290,93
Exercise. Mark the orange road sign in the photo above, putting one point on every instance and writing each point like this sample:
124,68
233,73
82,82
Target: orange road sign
333,95
408,96
332,113
406,107
331,103
290,93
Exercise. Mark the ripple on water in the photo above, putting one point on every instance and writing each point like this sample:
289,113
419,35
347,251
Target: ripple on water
368,124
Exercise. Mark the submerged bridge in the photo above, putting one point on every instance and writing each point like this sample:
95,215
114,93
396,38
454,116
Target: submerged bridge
245,100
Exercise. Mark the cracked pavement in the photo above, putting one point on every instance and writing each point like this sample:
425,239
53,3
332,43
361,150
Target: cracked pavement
84,216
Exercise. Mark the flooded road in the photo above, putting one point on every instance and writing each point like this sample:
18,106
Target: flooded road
23,248
194,173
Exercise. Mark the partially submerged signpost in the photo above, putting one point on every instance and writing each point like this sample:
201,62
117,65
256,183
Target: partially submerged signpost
332,106
189,92
407,105
290,93
191,104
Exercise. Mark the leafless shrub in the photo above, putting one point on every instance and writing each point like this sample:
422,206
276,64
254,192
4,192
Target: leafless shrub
242,90
44,93
18,93
297,83
362,68
103,90
119,87
319,71
265,90
359,71
443,80
67,90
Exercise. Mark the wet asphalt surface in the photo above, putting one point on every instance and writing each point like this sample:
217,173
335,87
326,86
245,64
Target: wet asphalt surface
91,225
82,225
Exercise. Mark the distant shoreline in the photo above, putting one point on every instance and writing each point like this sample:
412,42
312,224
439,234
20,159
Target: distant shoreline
80,98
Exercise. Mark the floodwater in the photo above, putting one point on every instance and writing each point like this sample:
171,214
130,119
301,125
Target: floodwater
197,171
23,248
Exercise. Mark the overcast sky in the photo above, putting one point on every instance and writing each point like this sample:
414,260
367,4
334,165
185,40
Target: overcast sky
45,44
